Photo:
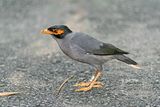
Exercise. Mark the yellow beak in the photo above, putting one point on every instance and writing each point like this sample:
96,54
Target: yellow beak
46,31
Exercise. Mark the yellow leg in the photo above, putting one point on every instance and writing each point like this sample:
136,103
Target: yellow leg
91,84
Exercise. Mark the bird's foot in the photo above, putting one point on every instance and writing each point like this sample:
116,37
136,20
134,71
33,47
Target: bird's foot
86,86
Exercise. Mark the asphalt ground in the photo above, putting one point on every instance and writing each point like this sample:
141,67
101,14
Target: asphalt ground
33,64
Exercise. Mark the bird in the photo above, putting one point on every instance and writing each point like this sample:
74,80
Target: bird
86,49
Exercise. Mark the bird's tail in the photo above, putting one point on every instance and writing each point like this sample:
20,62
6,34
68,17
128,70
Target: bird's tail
128,61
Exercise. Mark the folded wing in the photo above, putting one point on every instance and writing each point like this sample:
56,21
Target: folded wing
96,47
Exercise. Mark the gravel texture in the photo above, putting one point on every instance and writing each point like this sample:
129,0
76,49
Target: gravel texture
33,64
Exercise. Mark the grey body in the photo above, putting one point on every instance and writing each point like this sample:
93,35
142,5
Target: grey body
86,49
76,45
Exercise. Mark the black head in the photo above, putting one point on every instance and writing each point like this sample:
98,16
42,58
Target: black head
58,31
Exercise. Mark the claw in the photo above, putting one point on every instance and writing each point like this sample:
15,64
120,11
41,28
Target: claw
87,86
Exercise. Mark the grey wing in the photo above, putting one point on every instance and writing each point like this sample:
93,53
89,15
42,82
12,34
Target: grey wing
96,47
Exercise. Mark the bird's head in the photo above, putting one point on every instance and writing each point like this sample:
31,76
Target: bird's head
58,31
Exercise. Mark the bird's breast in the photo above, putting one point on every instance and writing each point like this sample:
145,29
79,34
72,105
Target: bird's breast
65,47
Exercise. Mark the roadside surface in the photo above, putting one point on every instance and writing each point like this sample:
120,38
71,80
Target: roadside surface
33,64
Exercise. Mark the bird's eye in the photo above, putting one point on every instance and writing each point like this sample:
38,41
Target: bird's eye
55,31
58,31
50,29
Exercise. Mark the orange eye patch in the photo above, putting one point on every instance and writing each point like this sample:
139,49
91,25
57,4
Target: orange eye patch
54,32
58,31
